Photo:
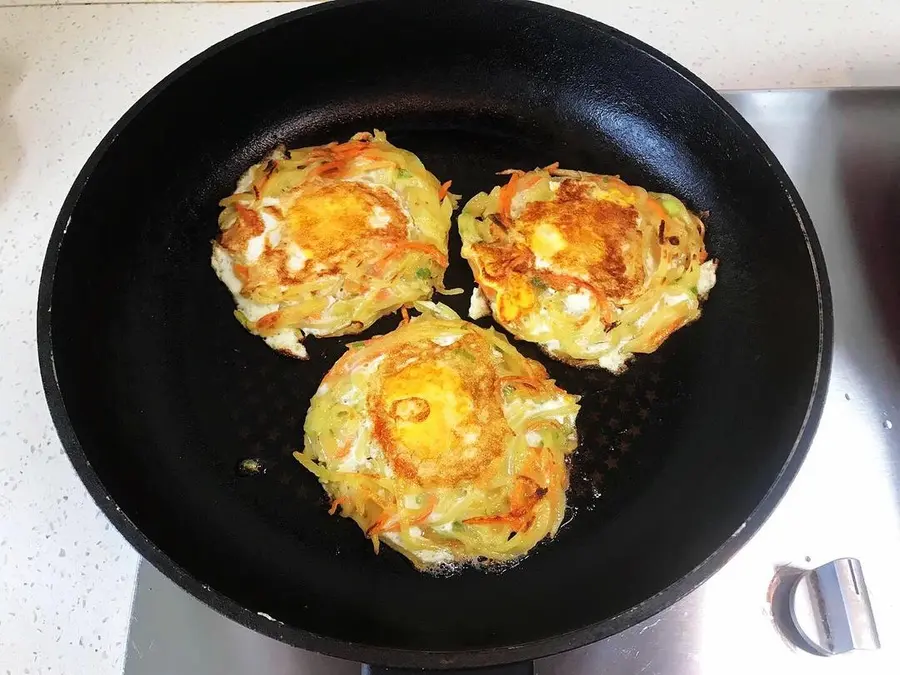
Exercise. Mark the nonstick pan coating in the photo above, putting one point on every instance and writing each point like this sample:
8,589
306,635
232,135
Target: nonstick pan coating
158,393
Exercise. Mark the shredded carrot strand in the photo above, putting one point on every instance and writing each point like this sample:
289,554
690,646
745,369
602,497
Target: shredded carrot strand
524,496
375,528
268,321
507,192
445,188
530,182
327,167
399,247
429,508
529,382
656,208
487,520
335,157
516,523
384,524
336,150
242,272
566,279
343,451
335,504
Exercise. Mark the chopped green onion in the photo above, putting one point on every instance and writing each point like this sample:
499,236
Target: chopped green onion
423,273
538,283
356,345
674,207
242,319
403,173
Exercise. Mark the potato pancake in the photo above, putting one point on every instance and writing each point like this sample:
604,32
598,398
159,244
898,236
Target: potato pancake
325,240
590,268
443,441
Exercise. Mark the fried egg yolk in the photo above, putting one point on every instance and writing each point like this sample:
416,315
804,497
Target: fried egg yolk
589,238
323,222
437,413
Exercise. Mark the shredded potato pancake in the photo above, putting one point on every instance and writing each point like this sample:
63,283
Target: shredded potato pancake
325,240
588,267
442,441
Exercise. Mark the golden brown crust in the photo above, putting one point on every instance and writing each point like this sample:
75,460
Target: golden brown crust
247,225
603,243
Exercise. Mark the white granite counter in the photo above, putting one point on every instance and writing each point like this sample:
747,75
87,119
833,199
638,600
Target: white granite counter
69,69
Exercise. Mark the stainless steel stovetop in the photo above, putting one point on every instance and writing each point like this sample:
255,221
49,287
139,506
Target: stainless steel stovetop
842,149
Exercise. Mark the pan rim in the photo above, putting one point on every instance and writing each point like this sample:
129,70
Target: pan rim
405,657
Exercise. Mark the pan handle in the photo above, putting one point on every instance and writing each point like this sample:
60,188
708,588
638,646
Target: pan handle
524,668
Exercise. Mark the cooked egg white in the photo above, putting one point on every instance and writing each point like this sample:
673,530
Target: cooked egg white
478,306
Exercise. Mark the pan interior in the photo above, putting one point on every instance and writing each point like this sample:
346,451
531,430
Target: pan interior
167,393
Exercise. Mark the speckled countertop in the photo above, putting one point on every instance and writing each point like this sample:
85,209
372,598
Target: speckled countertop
68,70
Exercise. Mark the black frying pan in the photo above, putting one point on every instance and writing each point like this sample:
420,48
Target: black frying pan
158,393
